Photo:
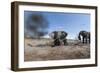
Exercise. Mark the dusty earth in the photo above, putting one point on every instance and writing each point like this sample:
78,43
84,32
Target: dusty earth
41,50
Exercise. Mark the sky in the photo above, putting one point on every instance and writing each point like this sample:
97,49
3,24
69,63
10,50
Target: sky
72,23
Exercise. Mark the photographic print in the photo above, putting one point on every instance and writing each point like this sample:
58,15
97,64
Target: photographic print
51,36
56,36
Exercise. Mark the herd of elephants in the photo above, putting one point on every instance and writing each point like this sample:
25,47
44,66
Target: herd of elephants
59,37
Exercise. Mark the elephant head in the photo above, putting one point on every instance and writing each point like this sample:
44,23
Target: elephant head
58,37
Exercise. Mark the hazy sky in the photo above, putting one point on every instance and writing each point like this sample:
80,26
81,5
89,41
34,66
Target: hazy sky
72,23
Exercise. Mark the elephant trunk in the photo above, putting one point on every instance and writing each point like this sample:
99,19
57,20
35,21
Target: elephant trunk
79,37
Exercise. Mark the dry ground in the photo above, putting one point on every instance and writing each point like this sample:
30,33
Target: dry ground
41,50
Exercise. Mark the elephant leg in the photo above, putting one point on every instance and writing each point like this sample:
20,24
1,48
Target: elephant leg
83,40
54,43
86,40
89,40
65,42
57,42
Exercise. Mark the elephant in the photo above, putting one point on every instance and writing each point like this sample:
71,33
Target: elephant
59,37
84,36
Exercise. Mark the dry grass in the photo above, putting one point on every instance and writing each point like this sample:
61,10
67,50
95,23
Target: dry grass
40,50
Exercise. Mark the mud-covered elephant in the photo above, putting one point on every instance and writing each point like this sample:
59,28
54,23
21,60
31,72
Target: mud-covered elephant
59,37
84,36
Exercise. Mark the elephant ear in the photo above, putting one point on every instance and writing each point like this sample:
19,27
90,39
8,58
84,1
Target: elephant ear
52,34
64,33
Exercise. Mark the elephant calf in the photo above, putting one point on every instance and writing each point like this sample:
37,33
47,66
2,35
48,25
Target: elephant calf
59,37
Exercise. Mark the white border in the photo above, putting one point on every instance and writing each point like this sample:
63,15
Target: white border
33,64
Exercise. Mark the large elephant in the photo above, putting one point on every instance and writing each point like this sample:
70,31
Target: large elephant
84,36
59,37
